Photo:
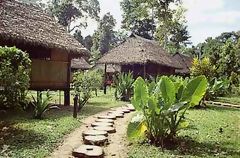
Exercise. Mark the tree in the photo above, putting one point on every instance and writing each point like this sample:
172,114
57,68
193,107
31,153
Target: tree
88,42
103,36
156,19
78,36
69,11
172,33
229,61
137,20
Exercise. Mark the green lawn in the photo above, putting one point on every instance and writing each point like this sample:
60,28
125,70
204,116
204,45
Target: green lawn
22,136
231,100
203,139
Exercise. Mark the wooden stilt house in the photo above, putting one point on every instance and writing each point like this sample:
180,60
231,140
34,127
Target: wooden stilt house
50,47
142,57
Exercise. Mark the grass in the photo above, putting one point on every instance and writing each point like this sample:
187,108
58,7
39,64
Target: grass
231,100
203,139
22,136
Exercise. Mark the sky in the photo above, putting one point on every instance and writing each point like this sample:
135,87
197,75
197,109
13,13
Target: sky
206,18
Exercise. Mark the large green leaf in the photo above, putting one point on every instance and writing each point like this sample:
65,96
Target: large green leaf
167,89
140,97
136,129
153,104
195,90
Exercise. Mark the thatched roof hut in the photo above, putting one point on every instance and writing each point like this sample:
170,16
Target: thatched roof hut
185,61
138,50
141,56
111,68
48,44
28,24
80,64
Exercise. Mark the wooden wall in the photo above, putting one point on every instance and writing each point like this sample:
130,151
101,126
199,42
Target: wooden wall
48,74
151,70
51,74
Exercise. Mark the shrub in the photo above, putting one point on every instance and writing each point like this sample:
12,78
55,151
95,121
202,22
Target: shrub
123,83
14,76
84,83
217,88
163,107
41,105
203,67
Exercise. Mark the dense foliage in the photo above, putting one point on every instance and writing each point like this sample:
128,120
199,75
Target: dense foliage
84,83
69,11
153,19
123,83
14,76
203,67
163,106
223,53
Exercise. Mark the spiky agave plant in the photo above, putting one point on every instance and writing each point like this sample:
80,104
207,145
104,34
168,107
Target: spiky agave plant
41,105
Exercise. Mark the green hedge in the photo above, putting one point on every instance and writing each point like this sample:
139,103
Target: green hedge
14,76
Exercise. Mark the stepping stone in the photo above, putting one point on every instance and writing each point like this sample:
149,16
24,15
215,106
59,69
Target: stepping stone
125,110
107,129
118,114
105,120
94,124
112,117
130,107
88,151
94,133
99,140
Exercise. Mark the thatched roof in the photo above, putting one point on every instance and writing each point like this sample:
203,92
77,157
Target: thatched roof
28,24
138,50
110,68
185,61
80,64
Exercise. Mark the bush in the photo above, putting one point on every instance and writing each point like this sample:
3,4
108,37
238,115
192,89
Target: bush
203,67
14,76
217,88
124,85
162,107
84,83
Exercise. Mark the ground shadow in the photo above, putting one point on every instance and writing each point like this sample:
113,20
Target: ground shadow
188,146
222,108
12,137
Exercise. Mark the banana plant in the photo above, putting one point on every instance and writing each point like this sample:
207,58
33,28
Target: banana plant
163,109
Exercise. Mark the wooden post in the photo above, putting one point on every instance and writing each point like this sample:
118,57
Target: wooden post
105,79
144,71
75,106
67,97
67,91
60,98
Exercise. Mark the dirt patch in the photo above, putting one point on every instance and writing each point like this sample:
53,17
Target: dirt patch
117,141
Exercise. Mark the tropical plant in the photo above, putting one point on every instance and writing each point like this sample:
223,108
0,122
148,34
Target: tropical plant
163,108
203,67
123,83
217,88
41,105
14,77
84,83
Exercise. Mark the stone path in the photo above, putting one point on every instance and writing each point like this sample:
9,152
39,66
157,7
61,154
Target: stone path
98,144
